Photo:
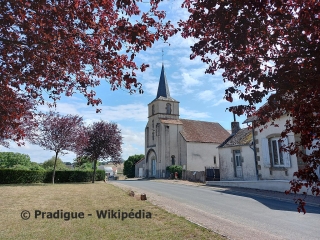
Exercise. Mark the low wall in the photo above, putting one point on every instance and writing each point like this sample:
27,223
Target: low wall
271,185
194,176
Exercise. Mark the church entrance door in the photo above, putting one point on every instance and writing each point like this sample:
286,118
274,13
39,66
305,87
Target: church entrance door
153,167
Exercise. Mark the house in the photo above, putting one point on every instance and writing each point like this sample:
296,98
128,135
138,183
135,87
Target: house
271,162
170,140
236,155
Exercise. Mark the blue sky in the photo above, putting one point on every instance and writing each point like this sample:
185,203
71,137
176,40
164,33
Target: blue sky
200,95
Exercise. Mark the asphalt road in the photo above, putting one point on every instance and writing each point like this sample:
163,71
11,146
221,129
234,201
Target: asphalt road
239,215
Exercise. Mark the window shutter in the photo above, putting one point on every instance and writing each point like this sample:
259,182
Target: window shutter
265,152
286,155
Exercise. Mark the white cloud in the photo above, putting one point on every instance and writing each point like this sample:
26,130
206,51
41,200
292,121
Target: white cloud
36,153
206,95
132,137
221,101
132,112
190,114
129,150
151,88
133,142
189,81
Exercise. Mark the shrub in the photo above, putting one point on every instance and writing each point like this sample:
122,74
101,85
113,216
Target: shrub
8,176
175,168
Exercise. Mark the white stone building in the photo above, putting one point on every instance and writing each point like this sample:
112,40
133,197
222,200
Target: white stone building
170,140
236,156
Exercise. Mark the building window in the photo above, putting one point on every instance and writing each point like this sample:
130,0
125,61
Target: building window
173,160
237,158
168,108
152,109
152,123
152,135
272,154
214,160
276,154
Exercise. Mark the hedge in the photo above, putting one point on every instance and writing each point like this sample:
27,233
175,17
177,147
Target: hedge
8,176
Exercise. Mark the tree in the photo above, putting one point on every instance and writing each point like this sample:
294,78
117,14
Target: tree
264,47
129,165
61,47
36,166
58,133
10,159
54,163
83,163
104,141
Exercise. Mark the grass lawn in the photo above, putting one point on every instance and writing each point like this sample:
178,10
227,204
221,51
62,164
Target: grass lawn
87,198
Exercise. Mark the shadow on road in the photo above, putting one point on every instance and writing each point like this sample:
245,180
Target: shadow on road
274,202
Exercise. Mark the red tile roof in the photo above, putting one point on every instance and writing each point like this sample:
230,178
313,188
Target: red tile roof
205,132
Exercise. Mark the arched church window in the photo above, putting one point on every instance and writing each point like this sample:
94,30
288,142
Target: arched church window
168,107
158,129
152,123
152,109
152,135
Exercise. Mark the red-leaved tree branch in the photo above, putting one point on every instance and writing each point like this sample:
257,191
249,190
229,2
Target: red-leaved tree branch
264,47
61,47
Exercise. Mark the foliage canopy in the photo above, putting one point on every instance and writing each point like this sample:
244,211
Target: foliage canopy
129,165
58,48
267,49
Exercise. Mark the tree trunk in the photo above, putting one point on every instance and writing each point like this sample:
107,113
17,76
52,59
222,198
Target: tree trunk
94,170
54,167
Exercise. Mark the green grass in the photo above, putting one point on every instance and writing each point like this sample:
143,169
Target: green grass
87,198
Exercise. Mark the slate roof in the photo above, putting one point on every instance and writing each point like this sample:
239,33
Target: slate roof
163,89
242,137
251,119
205,132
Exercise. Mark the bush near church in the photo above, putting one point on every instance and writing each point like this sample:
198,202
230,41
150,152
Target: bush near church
175,168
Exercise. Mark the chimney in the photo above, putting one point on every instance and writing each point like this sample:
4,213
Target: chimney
235,126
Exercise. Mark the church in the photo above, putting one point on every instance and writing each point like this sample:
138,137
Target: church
170,140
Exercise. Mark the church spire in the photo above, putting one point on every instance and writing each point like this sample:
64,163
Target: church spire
163,89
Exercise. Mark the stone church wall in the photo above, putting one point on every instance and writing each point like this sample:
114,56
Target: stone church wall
201,155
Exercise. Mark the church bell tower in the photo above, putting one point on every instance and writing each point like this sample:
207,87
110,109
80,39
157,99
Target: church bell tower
163,106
